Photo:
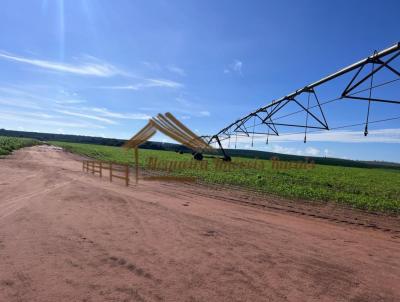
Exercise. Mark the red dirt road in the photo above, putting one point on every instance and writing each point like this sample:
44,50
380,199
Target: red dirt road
70,236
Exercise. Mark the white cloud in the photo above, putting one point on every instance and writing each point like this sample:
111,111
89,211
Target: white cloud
235,67
276,148
176,69
87,116
286,150
312,151
374,136
22,94
183,101
14,102
147,83
131,116
171,68
152,65
34,121
101,114
187,114
190,108
289,150
36,114
70,102
92,67
19,98
390,135
163,83
204,113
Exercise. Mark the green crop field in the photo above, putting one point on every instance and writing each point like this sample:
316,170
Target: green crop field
9,144
373,189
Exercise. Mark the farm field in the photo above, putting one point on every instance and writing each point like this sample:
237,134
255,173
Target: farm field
9,144
372,189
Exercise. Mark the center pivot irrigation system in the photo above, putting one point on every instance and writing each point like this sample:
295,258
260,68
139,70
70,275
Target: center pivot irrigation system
266,116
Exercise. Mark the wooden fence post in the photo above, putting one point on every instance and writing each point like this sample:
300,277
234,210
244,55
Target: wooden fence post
92,167
127,175
101,169
110,172
136,165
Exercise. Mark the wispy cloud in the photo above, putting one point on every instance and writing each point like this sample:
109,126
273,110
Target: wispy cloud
18,96
91,67
32,120
312,151
204,113
87,116
285,150
154,66
163,83
19,92
16,102
100,114
390,135
147,83
235,67
278,148
190,108
36,114
130,116
183,101
60,104
70,102
374,136
187,114
176,69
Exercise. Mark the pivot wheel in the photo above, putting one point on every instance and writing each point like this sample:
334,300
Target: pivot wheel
198,156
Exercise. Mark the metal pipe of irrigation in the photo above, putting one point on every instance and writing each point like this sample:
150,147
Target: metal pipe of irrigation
311,86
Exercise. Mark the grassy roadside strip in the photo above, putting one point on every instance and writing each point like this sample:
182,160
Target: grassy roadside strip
369,189
9,144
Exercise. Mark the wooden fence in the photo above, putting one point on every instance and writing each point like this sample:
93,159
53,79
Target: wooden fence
97,167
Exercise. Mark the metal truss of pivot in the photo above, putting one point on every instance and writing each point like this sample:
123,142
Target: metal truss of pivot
267,115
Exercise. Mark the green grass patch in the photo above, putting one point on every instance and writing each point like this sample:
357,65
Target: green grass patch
372,189
9,144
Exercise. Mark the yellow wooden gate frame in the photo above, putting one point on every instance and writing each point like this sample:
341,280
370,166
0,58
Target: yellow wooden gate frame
170,126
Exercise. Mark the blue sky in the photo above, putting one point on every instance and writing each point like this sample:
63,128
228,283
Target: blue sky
103,68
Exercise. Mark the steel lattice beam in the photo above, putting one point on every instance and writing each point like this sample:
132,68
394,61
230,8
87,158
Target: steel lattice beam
379,61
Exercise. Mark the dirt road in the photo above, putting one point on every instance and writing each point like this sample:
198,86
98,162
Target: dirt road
70,236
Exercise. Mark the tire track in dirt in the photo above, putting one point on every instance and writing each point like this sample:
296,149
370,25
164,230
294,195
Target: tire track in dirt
15,204
311,211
